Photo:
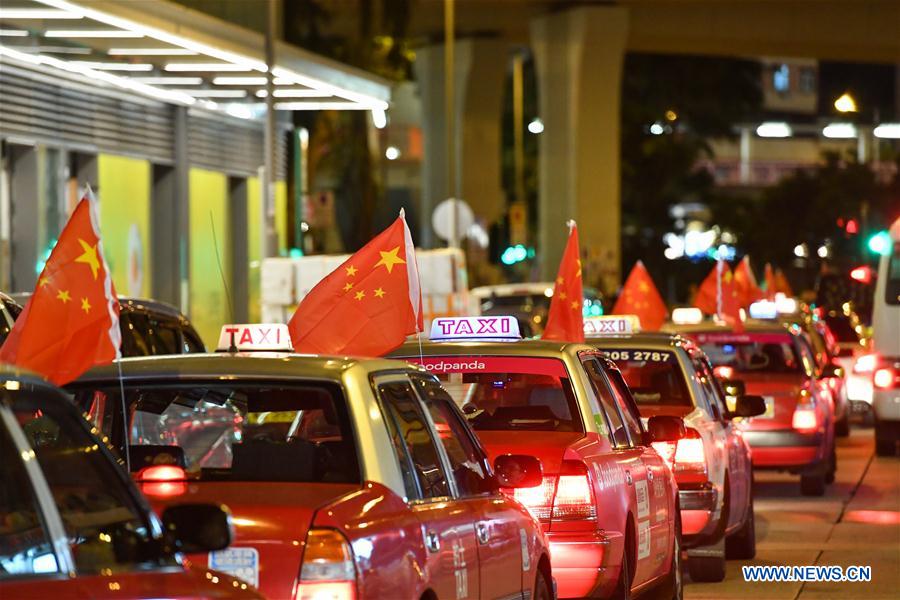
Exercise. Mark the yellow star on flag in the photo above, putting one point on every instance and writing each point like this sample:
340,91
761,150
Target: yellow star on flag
64,296
575,304
559,281
85,305
351,271
389,259
562,295
348,287
44,281
89,257
360,295
379,293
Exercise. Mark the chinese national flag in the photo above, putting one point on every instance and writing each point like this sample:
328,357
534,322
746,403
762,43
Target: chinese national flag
565,321
782,285
745,280
707,297
731,301
368,305
640,297
71,322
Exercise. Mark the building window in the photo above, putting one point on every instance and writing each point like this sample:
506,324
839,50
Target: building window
807,80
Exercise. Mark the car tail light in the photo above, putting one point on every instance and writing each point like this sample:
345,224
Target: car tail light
666,450
724,371
865,363
567,497
161,473
805,418
884,378
327,571
574,499
689,453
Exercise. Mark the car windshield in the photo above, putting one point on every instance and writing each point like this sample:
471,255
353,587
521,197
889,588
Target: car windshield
235,432
515,301
509,393
654,376
752,353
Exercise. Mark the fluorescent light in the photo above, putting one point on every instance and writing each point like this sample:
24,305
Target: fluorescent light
170,80
232,80
840,131
91,33
205,67
216,93
367,102
114,66
58,49
336,105
294,93
888,131
774,129
150,52
379,118
241,111
36,13
13,33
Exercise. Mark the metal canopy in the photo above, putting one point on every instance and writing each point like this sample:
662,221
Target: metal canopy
166,51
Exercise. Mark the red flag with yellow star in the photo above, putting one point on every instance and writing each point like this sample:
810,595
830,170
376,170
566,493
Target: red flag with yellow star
565,321
71,322
745,280
719,295
771,285
368,305
640,297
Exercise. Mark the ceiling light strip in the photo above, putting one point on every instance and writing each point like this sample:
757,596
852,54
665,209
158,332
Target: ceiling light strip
150,52
204,67
91,33
37,13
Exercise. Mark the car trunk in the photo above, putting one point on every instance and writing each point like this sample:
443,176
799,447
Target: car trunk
547,446
269,517
781,393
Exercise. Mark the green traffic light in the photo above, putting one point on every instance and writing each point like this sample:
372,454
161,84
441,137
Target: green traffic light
880,243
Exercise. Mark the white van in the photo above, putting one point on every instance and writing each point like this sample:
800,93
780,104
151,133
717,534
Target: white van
886,346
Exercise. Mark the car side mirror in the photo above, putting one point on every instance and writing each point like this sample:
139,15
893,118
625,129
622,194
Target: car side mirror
749,406
665,429
192,528
518,471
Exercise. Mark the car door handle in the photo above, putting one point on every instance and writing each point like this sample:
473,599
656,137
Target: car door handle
432,541
482,533
628,479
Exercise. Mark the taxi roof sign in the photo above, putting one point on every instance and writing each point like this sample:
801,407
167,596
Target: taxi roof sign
687,316
260,337
763,309
611,325
467,329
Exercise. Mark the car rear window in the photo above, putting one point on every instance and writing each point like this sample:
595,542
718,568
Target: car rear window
509,393
752,352
234,432
842,328
654,376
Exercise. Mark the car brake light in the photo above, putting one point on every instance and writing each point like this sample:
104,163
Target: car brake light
865,363
689,452
666,450
567,497
805,418
161,473
327,571
724,371
883,378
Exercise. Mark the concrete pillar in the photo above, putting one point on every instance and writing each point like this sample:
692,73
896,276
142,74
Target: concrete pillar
480,73
579,55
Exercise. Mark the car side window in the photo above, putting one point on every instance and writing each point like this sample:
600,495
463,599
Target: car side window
164,336
618,436
707,387
806,356
625,402
424,475
190,342
134,327
25,547
105,525
716,394
468,463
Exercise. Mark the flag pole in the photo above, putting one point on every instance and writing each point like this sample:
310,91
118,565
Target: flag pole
718,287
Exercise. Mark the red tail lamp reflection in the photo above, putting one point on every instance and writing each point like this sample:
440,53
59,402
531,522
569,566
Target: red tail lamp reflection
162,480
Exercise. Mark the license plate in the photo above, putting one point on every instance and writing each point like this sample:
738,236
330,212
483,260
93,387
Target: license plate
242,563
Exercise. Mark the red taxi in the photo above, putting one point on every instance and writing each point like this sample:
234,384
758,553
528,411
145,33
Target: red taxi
796,432
72,525
670,375
347,478
608,501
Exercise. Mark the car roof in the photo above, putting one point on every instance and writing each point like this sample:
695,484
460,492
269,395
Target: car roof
251,365
13,373
537,348
750,326
656,339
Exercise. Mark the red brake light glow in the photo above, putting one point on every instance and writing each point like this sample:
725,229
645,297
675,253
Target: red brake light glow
865,363
327,572
724,371
884,378
567,497
161,473
805,419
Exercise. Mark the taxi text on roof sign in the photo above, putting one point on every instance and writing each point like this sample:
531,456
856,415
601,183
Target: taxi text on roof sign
456,329
612,325
254,336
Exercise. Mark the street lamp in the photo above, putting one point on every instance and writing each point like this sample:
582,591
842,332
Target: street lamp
846,103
